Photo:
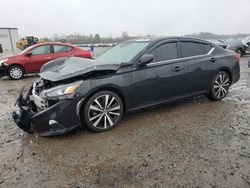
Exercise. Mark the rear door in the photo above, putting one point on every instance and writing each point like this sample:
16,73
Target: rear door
199,65
62,51
40,56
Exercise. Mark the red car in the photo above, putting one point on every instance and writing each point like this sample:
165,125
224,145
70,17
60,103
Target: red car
34,57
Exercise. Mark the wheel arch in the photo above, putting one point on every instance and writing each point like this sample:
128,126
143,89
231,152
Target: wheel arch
110,88
16,64
227,70
105,88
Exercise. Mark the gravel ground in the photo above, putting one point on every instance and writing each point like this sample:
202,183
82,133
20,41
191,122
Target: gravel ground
192,143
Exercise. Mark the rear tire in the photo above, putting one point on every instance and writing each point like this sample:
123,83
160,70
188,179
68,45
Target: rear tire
15,72
220,86
102,111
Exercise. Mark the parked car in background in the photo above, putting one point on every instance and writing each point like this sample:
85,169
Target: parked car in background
219,43
34,57
236,45
246,42
132,75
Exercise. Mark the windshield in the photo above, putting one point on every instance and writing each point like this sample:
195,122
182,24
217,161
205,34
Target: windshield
122,53
26,50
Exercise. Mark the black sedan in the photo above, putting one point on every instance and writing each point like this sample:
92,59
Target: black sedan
136,74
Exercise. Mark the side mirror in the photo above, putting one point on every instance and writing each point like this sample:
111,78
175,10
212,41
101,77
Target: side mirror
29,54
146,58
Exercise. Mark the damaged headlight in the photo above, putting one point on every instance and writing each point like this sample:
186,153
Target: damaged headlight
60,92
3,61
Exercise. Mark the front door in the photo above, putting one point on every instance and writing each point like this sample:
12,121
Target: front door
159,80
39,56
169,69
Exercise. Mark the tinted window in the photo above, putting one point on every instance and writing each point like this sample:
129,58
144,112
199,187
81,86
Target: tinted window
61,48
41,50
165,52
194,48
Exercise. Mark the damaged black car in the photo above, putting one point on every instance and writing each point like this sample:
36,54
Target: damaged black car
136,74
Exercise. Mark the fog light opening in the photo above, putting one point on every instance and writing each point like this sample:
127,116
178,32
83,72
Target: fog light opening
52,122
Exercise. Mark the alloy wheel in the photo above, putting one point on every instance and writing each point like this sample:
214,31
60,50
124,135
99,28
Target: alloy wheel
104,112
221,85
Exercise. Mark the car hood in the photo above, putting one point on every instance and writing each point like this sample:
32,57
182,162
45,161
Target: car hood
65,68
10,57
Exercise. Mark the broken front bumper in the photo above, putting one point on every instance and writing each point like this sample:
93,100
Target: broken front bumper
58,119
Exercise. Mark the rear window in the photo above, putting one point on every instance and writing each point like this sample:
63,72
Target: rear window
61,48
189,49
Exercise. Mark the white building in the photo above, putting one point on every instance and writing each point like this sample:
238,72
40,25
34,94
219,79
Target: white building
8,40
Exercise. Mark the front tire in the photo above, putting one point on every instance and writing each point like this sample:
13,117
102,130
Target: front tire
102,111
15,72
220,86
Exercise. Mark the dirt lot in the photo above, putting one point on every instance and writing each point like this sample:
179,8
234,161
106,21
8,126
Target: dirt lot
193,143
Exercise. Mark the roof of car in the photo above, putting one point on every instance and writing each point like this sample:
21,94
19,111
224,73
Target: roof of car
54,43
159,38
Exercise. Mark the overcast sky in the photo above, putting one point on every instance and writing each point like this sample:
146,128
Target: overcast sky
112,17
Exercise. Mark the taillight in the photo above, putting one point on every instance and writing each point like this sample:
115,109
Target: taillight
237,57
88,54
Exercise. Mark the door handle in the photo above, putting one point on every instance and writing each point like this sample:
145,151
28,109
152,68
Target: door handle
213,59
48,58
177,69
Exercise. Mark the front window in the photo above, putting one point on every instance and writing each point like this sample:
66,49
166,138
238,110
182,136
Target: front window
41,50
165,52
122,53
